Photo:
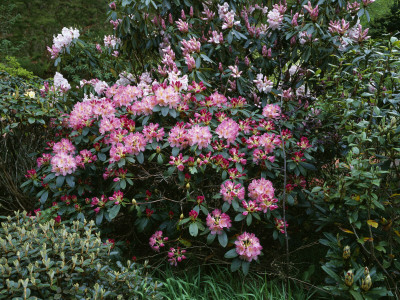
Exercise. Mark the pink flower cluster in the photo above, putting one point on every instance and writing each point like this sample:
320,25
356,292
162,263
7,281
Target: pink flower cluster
63,162
248,246
280,225
271,111
228,129
176,255
230,190
262,192
63,41
157,240
217,221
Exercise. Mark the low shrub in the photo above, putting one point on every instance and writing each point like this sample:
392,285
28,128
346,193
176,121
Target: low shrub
48,260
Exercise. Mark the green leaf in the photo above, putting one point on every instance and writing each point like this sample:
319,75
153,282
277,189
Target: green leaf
113,212
31,120
175,151
249,219
236,264
70,180
60,181
240,217
206,58
332,274
193,229
245,267
140,158
223,239
356,295
101,156
49,177
225,207
99,217
164,111
210,238
231,254
230,37
44,197
307,165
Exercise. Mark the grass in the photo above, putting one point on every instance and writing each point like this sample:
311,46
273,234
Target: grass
220,284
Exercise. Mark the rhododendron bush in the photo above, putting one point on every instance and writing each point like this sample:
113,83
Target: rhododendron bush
176,157
220,134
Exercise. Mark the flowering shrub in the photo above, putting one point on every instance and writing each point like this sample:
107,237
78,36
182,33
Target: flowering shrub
242,48
161,144
215,140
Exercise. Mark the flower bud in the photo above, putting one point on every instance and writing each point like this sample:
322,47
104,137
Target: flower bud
349,278
188,185
366,283
134,202
346,252
181,216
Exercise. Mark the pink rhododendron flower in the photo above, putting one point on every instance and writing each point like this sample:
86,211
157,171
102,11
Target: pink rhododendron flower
111,41
271,111
60,83
250,207
117,152
266,203
63,164
178,136
280,225
167,97
269,141
193,215
151,132
135,143
217,221
178,162
275,19
63,41
190,46
109,124
230,191
248,246
157,241
235,71
263,84
304,143
312,11
228,129
176,255
117,197
199,135
182,26
65,146
260,187
85,157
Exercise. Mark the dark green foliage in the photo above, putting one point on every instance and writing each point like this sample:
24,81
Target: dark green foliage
46,260
387,23
358,204
24,127
32,24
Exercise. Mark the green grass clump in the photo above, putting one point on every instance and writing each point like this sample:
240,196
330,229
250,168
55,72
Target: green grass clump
220,284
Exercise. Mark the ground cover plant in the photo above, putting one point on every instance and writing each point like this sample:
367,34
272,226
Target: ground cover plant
47,260
232,132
